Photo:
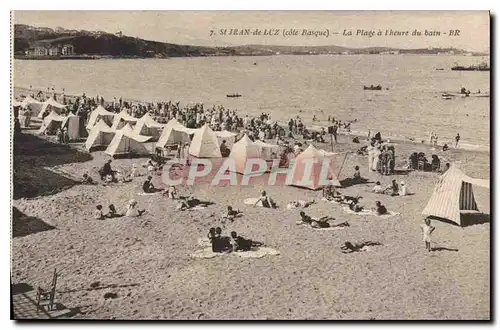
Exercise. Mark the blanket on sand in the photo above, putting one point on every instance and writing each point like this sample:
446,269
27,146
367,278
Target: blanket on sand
149,194
252,201
370,213
207,253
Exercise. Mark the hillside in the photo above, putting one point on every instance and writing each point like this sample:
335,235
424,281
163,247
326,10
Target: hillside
115,45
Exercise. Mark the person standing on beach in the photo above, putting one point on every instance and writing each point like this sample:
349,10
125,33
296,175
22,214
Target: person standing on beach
457,139
427,230
334,131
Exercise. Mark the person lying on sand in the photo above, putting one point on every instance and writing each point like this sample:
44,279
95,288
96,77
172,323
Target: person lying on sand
189,202
148,186
112,212
133,210
380,208
315,223
231,214
299,203
98,215
265,201
87,179
348,247
348,199
354,206
240,243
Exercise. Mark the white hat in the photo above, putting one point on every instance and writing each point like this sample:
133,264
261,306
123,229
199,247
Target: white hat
402,183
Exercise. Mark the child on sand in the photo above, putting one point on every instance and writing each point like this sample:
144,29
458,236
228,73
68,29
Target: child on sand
427,230
133,210
98,215
378,188
87,179
171,192
380,208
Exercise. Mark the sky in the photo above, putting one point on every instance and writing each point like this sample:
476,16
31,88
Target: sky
193,27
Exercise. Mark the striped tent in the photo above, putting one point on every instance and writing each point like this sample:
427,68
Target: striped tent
452,194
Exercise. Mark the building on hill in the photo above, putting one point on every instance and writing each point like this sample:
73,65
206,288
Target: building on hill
51,50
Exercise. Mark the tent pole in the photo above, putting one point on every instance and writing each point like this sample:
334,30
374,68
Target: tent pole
345,157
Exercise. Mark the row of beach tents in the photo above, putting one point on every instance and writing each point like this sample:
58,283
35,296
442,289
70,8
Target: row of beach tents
39,108
121,133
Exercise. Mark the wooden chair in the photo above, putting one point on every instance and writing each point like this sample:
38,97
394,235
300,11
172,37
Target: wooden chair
46,297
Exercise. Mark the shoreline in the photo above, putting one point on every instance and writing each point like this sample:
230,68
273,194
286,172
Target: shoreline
21,90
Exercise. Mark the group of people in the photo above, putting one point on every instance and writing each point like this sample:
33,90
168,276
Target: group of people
392,189
232,243
132,211
381,157
418,161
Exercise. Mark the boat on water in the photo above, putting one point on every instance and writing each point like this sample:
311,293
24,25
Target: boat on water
439,69
452,95
372,88
480,67
233,95
465,93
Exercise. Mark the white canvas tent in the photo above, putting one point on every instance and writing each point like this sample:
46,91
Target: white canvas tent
51,123
100,113
174,133
227,136
123,118
268,149
75,126
313,178
33,104
51,105
243,150
100,135
147,126
205,143
126,141
452,194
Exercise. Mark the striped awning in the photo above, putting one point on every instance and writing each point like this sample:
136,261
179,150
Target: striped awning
453,193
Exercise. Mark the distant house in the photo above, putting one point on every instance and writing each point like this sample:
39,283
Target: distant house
38,50
51,50
68,50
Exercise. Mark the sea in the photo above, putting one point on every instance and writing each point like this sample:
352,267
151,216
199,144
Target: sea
409,107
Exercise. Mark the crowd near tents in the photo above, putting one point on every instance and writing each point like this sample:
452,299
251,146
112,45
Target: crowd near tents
49,106
312,168
122,134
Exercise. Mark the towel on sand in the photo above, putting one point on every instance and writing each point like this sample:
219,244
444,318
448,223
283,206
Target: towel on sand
324,229
149,194
301,204
206,251
252,201
255,253
194,208
371,212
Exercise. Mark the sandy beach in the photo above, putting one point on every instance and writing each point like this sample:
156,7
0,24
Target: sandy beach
145,261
